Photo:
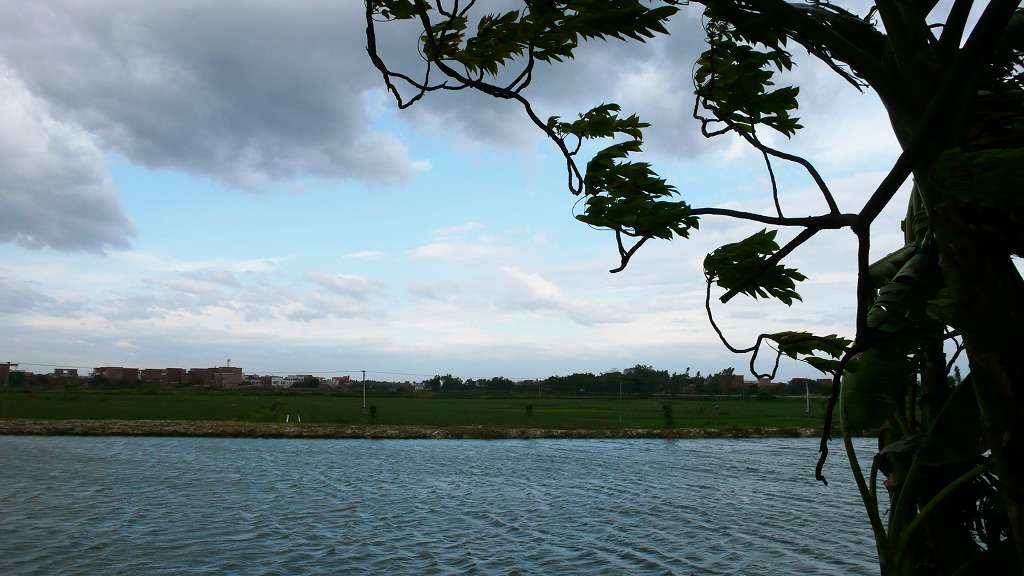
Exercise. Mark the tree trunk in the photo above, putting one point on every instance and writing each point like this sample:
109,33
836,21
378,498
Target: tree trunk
975,246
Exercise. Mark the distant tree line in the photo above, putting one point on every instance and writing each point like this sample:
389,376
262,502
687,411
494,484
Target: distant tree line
640,380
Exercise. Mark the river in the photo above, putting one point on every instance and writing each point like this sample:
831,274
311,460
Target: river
140,506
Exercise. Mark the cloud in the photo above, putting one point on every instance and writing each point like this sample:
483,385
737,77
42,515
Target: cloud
532,293
441,290
454,230
54,191
318,305
246,94
17,296
199,293
462,252
222,277
365,255
350,285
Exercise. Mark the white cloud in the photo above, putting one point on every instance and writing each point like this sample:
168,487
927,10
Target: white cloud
351,285
318,305
223,277
455,230
440,290
529,292
462,252
364,255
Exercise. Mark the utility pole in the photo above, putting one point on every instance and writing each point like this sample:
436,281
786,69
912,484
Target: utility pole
364,392
5,371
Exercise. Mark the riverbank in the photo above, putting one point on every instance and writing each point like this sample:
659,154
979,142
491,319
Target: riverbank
223,429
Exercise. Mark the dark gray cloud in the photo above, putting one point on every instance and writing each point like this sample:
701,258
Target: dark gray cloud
54,190
244,93
252,94
247,94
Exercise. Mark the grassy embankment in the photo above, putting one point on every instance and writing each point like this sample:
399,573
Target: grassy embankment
491,414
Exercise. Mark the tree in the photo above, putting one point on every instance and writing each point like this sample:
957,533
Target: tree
433,384
643,379
721,382
800,386
572,384
952,456
446,383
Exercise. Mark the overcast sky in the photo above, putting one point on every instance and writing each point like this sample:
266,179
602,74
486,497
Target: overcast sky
186,182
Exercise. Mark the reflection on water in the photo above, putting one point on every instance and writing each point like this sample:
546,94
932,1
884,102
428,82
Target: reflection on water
235,506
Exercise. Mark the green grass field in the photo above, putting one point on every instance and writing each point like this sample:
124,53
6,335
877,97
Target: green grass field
421,410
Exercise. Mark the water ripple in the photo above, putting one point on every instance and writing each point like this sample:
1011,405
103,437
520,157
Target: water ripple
235,506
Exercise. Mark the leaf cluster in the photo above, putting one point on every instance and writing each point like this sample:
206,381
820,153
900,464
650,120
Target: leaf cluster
546,31
821,352
623,195
985,177
734,81
629,196
732,264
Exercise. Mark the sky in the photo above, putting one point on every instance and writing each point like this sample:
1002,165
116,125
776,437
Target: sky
191,183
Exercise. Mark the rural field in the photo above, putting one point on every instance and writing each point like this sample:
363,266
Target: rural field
422,409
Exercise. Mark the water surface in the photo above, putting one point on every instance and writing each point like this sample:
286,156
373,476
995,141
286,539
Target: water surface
101,505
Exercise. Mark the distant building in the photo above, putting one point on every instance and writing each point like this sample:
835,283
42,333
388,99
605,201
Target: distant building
153,376
257,381
739,382
220,377
197,377
292,380
175,377
65,375
118,375
226,377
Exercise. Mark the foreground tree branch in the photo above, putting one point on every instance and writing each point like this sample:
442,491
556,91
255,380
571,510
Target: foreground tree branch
951,450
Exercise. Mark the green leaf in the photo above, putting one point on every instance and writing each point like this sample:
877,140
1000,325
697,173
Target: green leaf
600,122
956,434
987,177
731,264
885,270
824,365
733,79
396,9
629,196
873,379
901,302
804,345
943,308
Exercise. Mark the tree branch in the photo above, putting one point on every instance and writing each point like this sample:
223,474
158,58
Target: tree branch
823,222
955,85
